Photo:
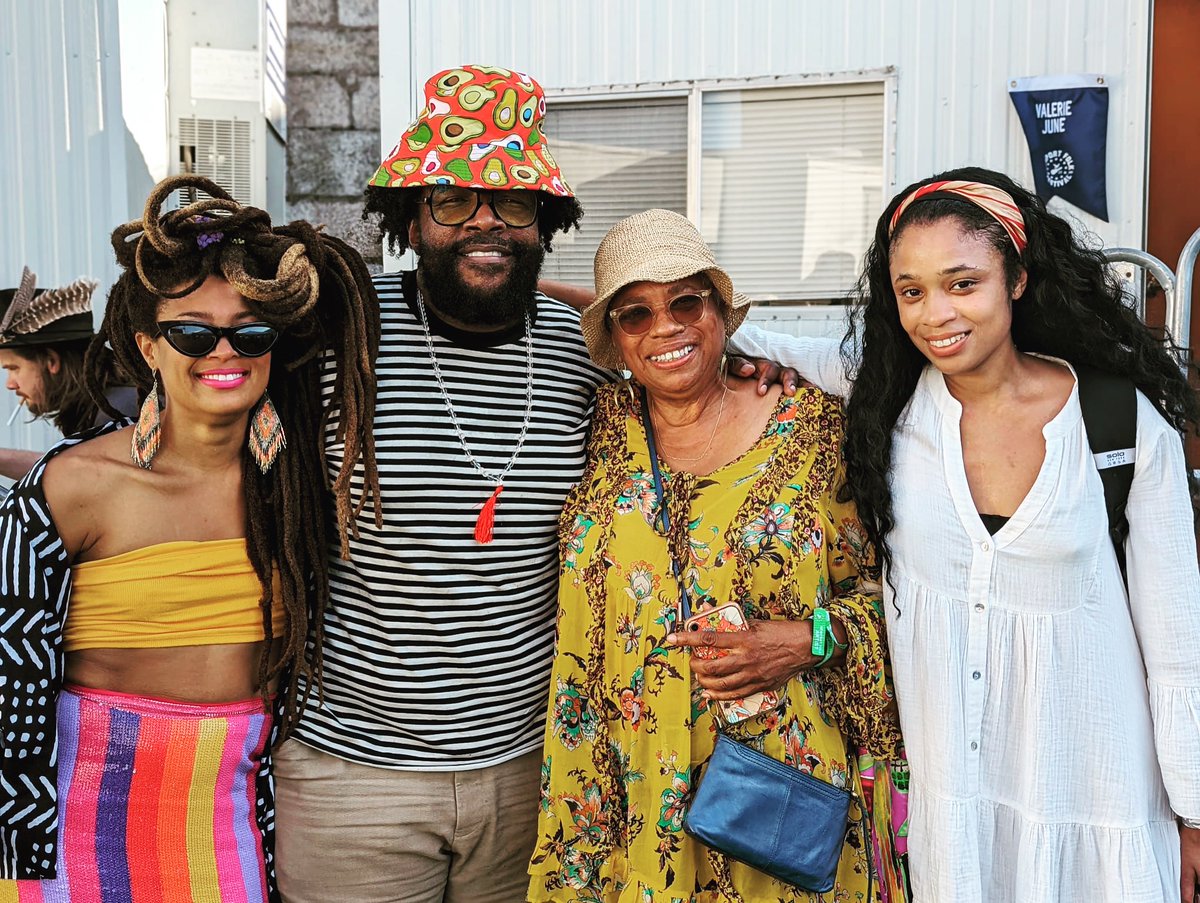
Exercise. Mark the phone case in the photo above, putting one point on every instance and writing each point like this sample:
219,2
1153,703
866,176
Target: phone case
723,619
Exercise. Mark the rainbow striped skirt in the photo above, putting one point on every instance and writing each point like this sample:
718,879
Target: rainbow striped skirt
156,802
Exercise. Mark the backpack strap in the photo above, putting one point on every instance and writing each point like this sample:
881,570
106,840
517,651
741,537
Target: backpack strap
1109,405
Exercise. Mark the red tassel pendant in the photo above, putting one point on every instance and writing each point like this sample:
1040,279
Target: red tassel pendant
487,517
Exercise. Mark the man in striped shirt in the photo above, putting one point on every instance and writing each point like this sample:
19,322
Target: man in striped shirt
417,777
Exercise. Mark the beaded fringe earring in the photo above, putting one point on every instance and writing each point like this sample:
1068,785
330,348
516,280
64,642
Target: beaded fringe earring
266,434
147,433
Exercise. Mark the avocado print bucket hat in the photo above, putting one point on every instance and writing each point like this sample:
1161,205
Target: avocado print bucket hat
481,127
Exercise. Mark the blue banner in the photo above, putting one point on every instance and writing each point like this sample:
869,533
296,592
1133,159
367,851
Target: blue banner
1065,119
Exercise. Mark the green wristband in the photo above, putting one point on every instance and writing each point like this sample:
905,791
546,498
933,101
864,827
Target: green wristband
824,640
821,629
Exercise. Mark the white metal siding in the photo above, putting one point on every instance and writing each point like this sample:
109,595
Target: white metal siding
62,153
952,57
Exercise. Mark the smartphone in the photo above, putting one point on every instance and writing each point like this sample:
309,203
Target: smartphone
724,619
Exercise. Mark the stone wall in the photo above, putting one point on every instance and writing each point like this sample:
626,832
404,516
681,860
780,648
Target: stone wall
333,115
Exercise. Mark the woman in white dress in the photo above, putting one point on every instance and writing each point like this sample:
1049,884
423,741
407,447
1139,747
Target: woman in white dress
1051,716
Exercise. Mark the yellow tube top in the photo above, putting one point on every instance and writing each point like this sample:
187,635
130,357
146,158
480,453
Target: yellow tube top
171,594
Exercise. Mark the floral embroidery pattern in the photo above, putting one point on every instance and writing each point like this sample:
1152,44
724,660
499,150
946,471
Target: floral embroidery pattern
637,494
574,722
574,540
630,631
775,523
544,796
588,813
643,583
630,700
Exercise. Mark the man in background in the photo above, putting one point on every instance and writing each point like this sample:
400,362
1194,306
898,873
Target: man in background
44,335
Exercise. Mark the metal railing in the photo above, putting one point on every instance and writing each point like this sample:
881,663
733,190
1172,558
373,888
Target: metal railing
1176,286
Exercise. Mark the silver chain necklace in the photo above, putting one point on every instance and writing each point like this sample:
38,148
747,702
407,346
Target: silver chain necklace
496,479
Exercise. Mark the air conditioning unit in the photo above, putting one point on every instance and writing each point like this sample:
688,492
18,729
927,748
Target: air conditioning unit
227,96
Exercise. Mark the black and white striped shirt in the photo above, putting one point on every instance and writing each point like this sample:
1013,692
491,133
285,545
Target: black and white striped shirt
437,648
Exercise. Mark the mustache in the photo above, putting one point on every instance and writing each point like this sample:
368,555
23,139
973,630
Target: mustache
505,244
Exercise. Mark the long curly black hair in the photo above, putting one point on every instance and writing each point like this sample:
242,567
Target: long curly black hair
317,291
396,208
1072,308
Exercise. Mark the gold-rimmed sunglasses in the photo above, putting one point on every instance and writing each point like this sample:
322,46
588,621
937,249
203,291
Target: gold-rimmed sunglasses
685,309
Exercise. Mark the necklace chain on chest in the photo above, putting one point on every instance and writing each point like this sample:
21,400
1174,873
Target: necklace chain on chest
495,478
712,435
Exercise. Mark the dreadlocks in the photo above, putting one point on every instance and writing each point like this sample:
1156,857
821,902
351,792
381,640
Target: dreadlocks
316,290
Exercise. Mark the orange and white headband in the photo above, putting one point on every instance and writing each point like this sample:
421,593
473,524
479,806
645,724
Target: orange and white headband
994,201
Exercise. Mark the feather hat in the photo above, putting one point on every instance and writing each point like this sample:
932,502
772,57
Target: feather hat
32,316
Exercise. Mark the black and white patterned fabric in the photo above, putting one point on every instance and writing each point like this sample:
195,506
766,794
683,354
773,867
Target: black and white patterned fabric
35,583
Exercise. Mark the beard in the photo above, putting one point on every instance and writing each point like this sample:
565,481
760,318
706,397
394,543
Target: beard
450,296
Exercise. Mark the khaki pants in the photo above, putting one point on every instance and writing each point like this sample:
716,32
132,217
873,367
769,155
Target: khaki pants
350,833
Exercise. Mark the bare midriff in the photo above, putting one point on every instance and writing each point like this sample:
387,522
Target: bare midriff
225,672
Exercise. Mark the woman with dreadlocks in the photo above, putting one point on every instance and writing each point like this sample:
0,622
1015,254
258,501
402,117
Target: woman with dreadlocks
161,580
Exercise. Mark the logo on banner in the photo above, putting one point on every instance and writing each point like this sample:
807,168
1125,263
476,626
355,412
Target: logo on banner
1065,120
1059,168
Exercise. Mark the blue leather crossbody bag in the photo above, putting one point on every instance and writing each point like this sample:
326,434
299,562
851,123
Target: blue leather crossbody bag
771,816
755,809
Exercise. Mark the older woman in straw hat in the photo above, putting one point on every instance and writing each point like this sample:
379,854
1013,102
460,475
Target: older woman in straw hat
751,496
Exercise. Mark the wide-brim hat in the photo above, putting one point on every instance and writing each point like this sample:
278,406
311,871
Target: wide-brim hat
32,316
652,246
481,127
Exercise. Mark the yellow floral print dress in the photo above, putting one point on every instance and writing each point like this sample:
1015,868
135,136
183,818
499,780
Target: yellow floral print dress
628,733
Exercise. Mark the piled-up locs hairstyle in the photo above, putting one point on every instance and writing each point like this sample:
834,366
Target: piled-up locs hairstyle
317,291
1073,308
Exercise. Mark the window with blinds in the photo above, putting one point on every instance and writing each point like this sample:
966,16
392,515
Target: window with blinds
620,157
790,180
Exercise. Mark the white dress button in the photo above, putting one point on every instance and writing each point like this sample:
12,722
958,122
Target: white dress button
974,745
976,675
979,606
984,546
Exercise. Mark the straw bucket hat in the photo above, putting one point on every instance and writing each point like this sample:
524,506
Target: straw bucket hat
652,246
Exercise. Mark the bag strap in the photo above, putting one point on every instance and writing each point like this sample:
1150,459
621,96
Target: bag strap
1109,405
685,602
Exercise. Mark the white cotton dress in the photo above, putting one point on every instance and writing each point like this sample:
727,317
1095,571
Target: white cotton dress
1052,722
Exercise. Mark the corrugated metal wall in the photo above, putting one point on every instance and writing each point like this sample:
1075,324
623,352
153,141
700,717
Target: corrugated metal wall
952,57
62,152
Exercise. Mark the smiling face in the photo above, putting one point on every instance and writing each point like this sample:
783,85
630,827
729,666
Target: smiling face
953,295
670,358
483,272
221,385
